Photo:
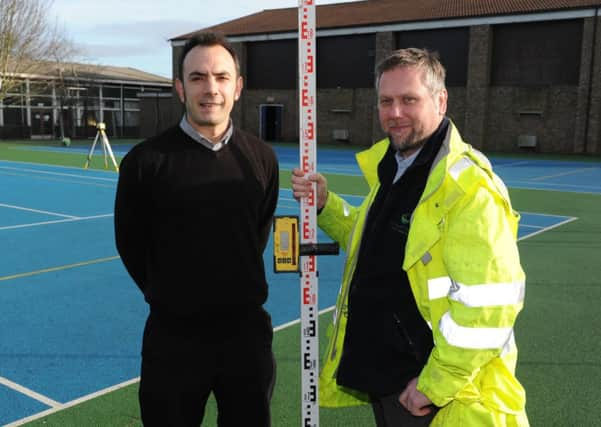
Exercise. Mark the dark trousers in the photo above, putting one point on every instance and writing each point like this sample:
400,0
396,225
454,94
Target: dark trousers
389,412
181,367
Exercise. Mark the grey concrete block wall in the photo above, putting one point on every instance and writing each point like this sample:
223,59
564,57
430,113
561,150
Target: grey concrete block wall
156,115
581,116
175,54
546,113
593,134
344,111
456,108
385,44
478,81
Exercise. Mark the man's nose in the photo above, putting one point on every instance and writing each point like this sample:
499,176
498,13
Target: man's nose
211,86
396,109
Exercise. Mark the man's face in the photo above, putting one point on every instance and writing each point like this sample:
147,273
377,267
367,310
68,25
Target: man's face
407,110
209,86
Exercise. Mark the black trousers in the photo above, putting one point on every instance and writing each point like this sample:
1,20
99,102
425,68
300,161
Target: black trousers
389,412
181,366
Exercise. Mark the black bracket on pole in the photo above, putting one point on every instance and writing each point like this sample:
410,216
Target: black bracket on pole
319,249
286,247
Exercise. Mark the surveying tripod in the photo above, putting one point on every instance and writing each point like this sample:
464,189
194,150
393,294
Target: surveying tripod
106,147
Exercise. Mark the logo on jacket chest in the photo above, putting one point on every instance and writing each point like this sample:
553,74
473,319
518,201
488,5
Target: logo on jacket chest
401,224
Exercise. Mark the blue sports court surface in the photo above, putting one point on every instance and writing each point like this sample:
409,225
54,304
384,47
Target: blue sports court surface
71,318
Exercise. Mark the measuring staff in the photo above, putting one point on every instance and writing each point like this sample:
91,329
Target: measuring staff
289,254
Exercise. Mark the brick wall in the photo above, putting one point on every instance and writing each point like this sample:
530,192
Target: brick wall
547,113
593,135
478,78
564,119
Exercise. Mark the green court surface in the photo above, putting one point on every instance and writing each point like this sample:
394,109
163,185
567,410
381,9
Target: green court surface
557,333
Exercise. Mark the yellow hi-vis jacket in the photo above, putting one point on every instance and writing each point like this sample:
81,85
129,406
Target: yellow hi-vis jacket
463,265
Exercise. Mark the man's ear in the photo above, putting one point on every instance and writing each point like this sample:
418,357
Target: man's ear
443,96
179,88
239,86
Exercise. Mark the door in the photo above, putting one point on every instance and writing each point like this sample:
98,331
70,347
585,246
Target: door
270,117
41,124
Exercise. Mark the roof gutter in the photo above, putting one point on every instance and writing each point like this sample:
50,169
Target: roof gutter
107,80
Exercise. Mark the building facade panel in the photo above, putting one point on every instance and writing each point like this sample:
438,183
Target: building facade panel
47,109
522,80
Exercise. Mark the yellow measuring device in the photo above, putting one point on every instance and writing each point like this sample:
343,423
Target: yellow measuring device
285,244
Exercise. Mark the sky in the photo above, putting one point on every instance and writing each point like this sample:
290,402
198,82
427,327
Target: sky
136,33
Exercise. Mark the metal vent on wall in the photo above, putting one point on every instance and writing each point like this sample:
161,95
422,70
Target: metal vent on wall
340,134
527,141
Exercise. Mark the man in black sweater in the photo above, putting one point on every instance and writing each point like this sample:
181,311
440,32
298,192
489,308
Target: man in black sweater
193,212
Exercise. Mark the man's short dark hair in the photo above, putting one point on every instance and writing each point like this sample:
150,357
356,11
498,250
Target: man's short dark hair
207,39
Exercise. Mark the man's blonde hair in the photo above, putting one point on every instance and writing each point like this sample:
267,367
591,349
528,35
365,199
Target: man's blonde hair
434,72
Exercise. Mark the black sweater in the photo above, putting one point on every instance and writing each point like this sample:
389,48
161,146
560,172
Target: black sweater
191,224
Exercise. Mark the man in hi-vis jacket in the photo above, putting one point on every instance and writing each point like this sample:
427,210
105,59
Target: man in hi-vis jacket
432,286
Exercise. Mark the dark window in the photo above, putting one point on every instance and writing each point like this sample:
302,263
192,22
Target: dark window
452,45
14,116
346,61
93,91
130,92
537,53
16,87
40,88
272,64
111,92
40,101
14,100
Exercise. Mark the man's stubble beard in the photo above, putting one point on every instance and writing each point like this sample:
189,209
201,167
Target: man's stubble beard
409,143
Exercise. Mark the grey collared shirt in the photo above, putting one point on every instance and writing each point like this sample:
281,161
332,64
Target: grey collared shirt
198,137
403,163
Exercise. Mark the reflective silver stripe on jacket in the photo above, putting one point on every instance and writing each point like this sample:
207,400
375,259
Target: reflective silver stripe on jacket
482,295
474,338
459,166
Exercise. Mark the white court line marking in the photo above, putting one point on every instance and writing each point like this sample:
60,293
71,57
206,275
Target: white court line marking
297,321
62,406
22,208
543,214
58,221
520,163
121,385
573,172
531,226
70,175
568,190
59,268
57,179
51,166
29,393
542,230
343,195
553,186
